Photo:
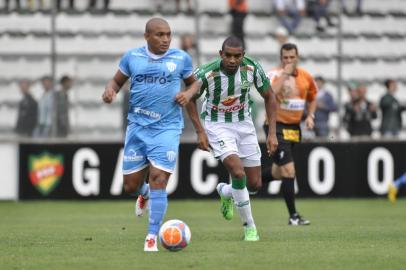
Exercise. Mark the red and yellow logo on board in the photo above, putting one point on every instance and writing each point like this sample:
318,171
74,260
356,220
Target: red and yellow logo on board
45,171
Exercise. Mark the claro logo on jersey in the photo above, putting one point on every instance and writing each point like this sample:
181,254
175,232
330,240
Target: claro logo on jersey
148,78
45,171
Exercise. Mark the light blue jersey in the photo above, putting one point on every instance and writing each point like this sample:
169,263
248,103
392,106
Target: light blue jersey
155,81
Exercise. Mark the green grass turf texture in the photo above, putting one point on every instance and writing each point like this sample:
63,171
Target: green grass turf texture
344,234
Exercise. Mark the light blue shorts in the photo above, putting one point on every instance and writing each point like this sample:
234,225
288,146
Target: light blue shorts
146,145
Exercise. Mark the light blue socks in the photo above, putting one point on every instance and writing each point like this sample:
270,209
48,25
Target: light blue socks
144,191
400,181
158,202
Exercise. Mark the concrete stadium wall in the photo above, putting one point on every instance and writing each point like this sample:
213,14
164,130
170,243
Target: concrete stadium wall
8,171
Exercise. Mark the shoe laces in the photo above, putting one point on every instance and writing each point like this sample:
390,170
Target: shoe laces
141,201
251,232
150,242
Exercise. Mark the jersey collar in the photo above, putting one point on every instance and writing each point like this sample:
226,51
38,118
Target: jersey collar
155,56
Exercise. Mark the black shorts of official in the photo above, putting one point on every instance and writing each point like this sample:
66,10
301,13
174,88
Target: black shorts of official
288,136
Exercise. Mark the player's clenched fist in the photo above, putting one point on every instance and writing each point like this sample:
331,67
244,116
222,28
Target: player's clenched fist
183,98
108,95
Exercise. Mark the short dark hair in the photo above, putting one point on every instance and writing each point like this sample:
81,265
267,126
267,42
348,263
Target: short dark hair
64,79
387,83
233,42
288,47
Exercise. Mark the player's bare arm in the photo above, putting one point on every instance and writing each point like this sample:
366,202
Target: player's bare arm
311,108
185,96
114,86
191,109
270,107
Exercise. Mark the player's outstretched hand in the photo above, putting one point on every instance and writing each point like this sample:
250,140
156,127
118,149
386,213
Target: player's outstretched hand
271,143
109,95
203,141
183,98
309,122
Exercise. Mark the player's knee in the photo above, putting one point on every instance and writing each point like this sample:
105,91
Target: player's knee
129,188
254,187
238,173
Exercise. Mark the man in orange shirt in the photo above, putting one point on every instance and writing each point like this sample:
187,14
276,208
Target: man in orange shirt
294,89
238,11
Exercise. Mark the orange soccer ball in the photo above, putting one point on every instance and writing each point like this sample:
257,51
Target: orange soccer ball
174,235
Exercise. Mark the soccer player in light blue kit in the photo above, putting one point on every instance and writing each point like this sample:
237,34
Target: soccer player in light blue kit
155,119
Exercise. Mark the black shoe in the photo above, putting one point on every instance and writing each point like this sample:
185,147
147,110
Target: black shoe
297,220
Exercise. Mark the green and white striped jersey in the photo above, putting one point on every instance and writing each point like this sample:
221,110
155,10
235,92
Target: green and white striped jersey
227,97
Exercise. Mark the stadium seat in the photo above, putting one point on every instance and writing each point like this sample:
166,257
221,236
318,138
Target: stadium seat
8,117
258,25
96,68
214,25
266,45
383,6
24,45
211,46
132,5
87,92
10,92
260,6
181,24
102,115
25,22
316,46
213,6
327,69
378,25
23,68
85,45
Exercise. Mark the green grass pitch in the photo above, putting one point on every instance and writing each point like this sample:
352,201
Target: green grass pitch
345,234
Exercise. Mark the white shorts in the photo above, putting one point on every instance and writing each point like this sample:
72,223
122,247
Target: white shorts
239,138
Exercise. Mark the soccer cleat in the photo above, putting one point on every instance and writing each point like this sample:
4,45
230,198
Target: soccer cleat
392,193
151,243
297,220
250,234
141,206
226,206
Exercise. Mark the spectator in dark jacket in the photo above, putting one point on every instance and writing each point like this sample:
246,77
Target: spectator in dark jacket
359,113
62,107
325,105
391,110
27,111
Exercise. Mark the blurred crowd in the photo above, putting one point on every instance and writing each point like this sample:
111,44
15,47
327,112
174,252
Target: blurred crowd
49,116
33,5
359,112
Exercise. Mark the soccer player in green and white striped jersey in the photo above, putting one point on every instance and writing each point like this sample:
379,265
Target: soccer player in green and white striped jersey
228,128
